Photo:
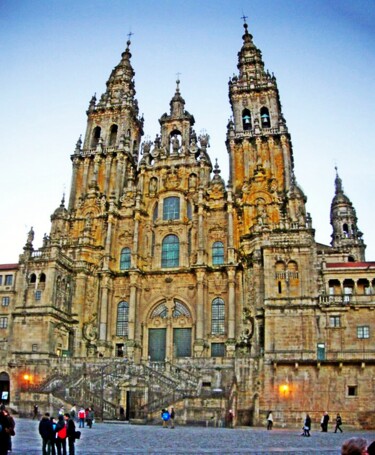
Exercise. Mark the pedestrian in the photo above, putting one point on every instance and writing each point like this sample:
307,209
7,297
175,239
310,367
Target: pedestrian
35,411
306,426
171,416
354,446
73,412
230,418
61,411
70,432
81,417
53,436
46,432
122,413
324,422
269,420
90,417
61,433
165,417
338,423
7,425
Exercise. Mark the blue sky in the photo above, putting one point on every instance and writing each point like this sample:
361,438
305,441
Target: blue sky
54,55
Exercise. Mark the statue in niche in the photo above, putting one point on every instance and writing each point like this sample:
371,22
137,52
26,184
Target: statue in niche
193,146
175,144
152,185
192,181
261,212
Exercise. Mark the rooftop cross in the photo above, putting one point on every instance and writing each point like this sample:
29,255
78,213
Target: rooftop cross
244,17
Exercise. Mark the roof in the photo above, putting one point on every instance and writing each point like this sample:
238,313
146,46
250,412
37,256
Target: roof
9,266
351,265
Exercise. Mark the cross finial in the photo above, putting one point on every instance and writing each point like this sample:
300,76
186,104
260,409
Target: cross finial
244,17
130,34
178,76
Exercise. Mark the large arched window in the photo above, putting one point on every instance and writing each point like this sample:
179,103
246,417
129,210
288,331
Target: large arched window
218,316
246,119
265,117
218,253
95,136
122,323
113,135
171,208
125,259
170,254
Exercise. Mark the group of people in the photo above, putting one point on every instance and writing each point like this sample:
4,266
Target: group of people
167,416
55,433
323,424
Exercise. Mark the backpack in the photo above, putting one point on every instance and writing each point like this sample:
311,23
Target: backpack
62,433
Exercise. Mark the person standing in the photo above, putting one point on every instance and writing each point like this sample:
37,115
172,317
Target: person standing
231,418
35,411
73,412
81,417
46,432
61,433
324,422
90,417
338,423
269,420
53,436
165,417
171,416
70,432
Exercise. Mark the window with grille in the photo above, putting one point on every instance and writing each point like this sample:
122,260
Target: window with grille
171,208
122,324
5,301
217,316
170,254
217,350
8,280
125,259
3,323
334,321
218,253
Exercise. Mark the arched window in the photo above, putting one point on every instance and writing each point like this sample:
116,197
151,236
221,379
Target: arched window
122,324
171,208
95,136
33,278
125,259
218,253
170,254
246,120
113,135
345,229
265,118
217,316
42,278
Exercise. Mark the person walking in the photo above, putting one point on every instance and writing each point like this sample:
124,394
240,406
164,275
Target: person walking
306,426
46,432
61,433
269,420
70,432
338,423
165,417
90,417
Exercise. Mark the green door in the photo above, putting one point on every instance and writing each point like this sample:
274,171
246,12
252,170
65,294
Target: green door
156,344
182,342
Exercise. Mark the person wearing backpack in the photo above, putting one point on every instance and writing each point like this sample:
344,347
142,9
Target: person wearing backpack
61,433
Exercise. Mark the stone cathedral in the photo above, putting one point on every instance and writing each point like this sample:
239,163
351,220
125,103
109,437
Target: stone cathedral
161,284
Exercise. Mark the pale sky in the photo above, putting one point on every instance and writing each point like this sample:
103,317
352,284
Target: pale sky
54,55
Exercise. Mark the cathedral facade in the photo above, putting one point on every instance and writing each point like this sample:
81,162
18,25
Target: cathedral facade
158,277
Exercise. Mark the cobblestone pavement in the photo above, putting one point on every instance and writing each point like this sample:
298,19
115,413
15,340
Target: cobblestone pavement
121,438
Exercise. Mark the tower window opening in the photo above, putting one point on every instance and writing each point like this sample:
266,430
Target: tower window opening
265,117
279,287
113,135
96,136
33,278
246,120
345,230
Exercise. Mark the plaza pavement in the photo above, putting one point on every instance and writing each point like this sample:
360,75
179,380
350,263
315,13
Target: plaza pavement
122,438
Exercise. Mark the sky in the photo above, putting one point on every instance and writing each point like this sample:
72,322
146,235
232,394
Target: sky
54,55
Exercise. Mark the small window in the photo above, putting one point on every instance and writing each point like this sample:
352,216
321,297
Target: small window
321,351
170,253
3,323
38,295
363,331
279,288
125,259
171,208
34,348
189,210
1,280
120,350
352,390
8,280
5,301
42,278
334,321
218,253
217,350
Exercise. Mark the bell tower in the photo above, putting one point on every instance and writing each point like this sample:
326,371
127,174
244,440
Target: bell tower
346,236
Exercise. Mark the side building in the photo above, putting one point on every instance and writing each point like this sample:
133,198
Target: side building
161,284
